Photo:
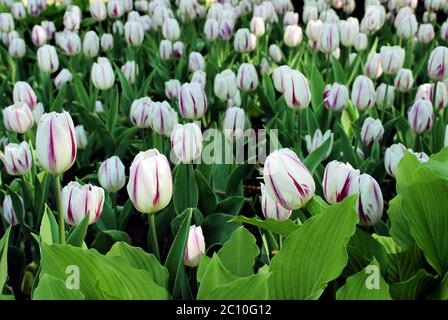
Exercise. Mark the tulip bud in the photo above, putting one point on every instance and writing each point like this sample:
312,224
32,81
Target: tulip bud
421,116
292,36
225,29
18,10
348,30
91,44
141,5
6,22
275,53
17,158
38,112
313,30
195,247
23,92
313,143
178,49
244,41
56,142
192,100
98,10
370,201
117,27
171,30
47,59
445,144
290,18
247,78
371,131
166,49
225,85
392,157
133,32
425,33
437,64
81,137
361,42
8,211
50,28
211,29
133,16
392,59
271,209
407,27
18,117
72,18
146,22
150,185
235,101
328,38
200,77
277,76
127,5
17,48
444,31
426,91
363,93
257,26
38,35
99,106
162,118
265,67
140,111
287,179
374,18
115,9
172,88
310,12
70,43
234,123
107,42
130,71
404,80
296,91
382,100
196,62
111,174
102,74
338,177
186,142
62,78
79,201
336,97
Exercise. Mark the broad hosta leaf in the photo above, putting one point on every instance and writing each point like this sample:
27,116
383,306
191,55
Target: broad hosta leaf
215,276
49,229
316,205
217,228
320,241
283,228
239,252
231,205
414,288
52,288
254,287
76,238
4,259
106,239
203,265
399,229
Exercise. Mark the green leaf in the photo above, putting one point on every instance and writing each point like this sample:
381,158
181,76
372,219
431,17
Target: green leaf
49,229
215,276
186,193
112,113
217,229
52,288
318,155
196,218
283,228
238,254
234,184
338,71
4,259
76,238
320,241
203,265
248,288
414,288
231,205
317,86
207,199
106,239
316,205
399,229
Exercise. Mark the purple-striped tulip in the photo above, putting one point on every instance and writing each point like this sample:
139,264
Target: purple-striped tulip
438,64
23,92
18,117
186,142
296,91
421,116
272,209
363,93
234,123
195,247
338,177
140,111
8,211
17,158
162,117
371,131
336,97
111,174
192,100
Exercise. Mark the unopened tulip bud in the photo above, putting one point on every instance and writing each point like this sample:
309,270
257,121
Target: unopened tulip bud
195,247
438,64
8,211
374,18
328,40
314,142
371,131
81,137
72,19
192,100
70,43
178,49
140,112
287,179
392,157
265,67
370,200
38,112
172,88
186,142
130,71
310,12
115,9
63,77
17,48
18,11
361,42
166,49
313,30
99,107
196,62
425,33
290,18
23,92
107,42
292,36
247,77
6,22
392,59
234,123
102,74
296,91
98,10
18,117
235,101
163,118
338,177
133,16
211,29
275,53
444,31
141,5
404,80
50,28
146,22
421,116
244,41
133,32
225,29
38,35
407,27
272,209
17,158
171,30
348,30
363,93
329,16
336,97
91,44
278,74
111,174
257,26
382,100
225,85
118,27
79,201
56,142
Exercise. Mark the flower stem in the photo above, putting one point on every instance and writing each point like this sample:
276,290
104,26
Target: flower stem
153,235
57,188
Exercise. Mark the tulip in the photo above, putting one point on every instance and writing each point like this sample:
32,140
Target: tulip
17,48
56,142
408,27
348,30
404,80
328,38
421,116
99,106
111,174
38,35
127,5
171,30
18,10
47,59
363,93
277,76
338,178
192,100
133,32
140,111
187,10
371,131
425,33
225,29
195,247
392,59
78,201
370,200
403,12
172,88
18,117
247,78
313,30
328,15
287,179
336,97
225,85
426,91
292,36
8,37
196,62
8,211
130,71
146,22
421,156
178,49
200,77
133,16
309,13
23,92
385,95
444,31
17,158
186,142
49,28
72,18
150,185
290,18
91,44
38,112
98,10
166,49
63,77
160,14
70,43
437,64
445,142
392,157
118,27
275,53
234,123
141,5
265,67
257,26
374,18
434,5
361,42
313,143
296,91
81,137
271,209
162,118
107,42
235,101
373,67
244,41
6,22
102,74
211,29
115,9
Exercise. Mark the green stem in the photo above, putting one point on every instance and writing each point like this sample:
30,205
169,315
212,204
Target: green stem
153,235
299,129
417,143
61,222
